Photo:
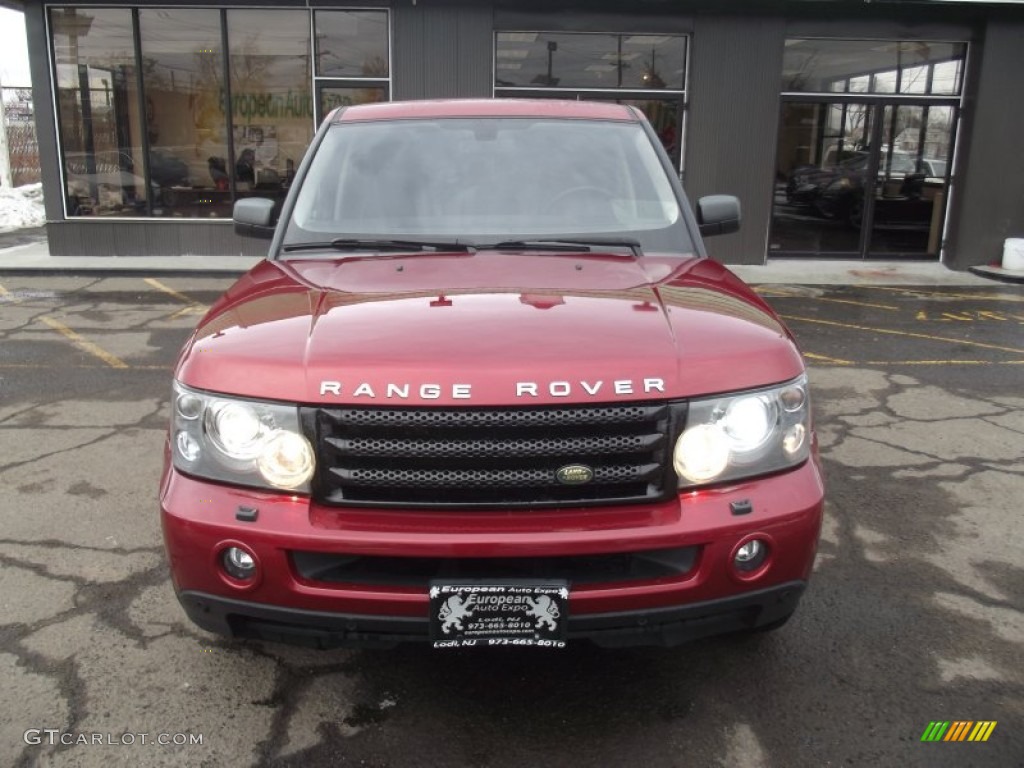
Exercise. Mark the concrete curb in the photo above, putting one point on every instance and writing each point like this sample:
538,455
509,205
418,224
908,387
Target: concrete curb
101,271
34,259
1000,274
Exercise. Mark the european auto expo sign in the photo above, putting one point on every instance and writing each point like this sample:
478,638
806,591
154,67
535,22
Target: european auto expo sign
290,104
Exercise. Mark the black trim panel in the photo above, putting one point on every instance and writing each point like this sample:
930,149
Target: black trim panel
657,626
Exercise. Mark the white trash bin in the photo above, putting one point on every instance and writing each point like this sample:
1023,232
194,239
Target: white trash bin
1013,254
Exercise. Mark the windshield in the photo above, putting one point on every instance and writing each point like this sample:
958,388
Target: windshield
487,179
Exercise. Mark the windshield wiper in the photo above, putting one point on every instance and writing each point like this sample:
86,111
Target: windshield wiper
373,244
574,244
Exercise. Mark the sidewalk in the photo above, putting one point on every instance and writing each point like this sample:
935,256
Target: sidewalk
856,272
27,253
33,258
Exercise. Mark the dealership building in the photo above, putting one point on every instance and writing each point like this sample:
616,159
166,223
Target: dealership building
850,129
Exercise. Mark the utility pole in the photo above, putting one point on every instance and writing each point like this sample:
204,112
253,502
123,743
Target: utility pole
5,154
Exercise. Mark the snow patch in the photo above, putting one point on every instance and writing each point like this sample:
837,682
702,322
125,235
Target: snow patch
21,207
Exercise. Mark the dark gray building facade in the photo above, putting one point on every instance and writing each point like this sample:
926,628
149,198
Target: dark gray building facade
873,130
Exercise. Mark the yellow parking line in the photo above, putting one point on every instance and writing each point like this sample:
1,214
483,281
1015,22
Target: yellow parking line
943,362
783,294
84,344
193,308
859,303
826,359
168,290
941,294
64,366
910,334
196,309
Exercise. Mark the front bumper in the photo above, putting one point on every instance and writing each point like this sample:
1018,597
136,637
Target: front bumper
699,594
657,626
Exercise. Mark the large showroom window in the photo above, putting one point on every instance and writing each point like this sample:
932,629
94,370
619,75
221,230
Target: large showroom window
101,122
647,71
270,103
178,112
352,59
865,148
183,81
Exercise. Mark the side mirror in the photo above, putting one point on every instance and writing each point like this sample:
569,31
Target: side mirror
718,214
254,217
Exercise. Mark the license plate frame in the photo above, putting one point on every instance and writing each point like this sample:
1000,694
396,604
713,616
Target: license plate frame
499,613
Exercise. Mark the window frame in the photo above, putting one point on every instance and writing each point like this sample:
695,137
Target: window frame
316,81
677,95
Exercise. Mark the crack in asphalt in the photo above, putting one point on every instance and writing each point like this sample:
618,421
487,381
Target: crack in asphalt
69,681
89,443
60,544
108,602
290,684
30,409
841,430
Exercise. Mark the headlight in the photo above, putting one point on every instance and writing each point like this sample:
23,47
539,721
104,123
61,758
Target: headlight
286,460
749,421
235,429
240,441
744,434
702,453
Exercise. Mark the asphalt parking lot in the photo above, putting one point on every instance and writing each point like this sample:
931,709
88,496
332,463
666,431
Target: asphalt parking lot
915,613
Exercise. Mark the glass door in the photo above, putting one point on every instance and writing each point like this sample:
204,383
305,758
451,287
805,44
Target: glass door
858,179
821,159
912,180
865,146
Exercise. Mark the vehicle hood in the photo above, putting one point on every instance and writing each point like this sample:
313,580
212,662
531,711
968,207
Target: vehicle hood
487,328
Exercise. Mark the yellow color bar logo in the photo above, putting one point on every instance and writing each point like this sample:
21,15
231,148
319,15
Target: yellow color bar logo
958,730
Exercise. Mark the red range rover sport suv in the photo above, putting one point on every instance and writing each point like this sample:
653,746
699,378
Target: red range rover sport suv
488,389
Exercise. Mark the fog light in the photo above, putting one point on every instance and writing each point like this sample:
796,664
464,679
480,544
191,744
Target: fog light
751,556
238,563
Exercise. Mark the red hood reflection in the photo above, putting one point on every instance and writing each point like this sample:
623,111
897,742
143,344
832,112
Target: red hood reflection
473,329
